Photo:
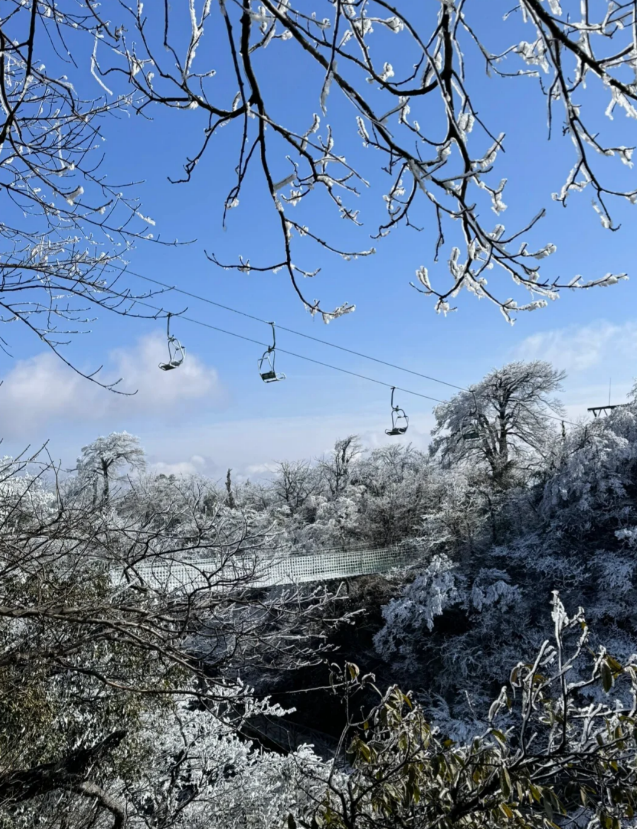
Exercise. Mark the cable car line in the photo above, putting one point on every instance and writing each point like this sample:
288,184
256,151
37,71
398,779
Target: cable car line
291,353
290,330
308,337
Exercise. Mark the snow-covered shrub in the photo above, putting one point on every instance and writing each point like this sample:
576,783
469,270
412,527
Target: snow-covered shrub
407,618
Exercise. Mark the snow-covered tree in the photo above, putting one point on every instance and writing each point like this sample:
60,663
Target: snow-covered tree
294,484
393,486
106,456
337,466
595,480
431,592
502,422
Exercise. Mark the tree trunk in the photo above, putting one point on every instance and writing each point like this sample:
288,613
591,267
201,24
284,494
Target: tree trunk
231,501
70,771
105,484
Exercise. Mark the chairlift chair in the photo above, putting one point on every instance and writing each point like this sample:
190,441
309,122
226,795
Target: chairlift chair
267,368
399,420
176,351
468,429
468,432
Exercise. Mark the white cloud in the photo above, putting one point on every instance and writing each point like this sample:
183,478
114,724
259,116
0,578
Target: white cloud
195,466
257,470
581,348
600,360
42,390
253,447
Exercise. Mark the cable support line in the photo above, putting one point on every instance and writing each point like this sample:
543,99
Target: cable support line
290,330
314,339
290,353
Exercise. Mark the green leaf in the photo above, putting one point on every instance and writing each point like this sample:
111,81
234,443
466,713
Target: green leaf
364,751
548,808
505,783
499,736
607,677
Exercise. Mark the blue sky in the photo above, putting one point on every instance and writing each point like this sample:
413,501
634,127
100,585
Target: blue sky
214,412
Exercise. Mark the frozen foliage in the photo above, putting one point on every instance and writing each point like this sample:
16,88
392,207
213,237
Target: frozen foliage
428,596
200,773
491,586
596,472
488,550
196,772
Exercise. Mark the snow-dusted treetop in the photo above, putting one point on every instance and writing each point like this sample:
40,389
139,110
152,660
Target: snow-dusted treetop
501,419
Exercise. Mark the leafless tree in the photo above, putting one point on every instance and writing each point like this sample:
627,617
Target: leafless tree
66,226
336,468
294,483
413,100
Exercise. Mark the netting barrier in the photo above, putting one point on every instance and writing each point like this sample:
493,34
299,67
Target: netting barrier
236,570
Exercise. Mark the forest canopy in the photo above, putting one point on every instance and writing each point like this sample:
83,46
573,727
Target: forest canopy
469,686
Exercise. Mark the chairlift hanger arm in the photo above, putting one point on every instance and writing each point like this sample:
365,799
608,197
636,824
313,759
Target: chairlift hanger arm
398,416
176,351
267,368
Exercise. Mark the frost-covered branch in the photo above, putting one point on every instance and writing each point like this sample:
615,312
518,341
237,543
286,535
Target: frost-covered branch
64,221
411,98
